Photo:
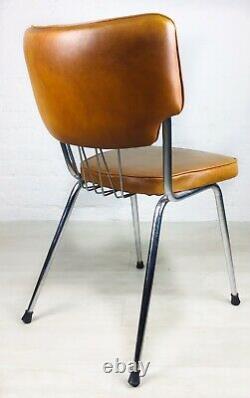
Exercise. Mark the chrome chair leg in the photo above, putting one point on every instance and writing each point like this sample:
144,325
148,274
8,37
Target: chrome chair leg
134,378
137,232
226,241
27,317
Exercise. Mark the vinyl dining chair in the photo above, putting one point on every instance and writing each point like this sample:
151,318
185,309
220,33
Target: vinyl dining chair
111,86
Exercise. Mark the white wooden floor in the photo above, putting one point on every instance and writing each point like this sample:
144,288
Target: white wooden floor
197,343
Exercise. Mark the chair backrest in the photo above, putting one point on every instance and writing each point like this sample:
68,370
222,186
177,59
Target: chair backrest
106,84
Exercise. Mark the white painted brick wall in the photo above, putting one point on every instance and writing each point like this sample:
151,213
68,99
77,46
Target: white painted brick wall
214,47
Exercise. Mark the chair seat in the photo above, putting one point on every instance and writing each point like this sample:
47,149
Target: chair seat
142,169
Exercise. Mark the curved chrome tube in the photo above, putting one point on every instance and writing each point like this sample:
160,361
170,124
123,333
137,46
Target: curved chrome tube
168,168
70,160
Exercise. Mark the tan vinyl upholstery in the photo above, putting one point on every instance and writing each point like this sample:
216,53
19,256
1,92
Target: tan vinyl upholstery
142,169
106,84
110,84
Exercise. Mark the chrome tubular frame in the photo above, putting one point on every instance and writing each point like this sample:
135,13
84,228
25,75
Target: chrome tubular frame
85,180
167,165
170,196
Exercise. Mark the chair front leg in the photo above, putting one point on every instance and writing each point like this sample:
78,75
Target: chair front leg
134,378
137,232
27,317
226,241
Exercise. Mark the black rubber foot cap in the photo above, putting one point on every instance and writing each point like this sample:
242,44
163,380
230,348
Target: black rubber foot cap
235,300
139,265
27,317
134,379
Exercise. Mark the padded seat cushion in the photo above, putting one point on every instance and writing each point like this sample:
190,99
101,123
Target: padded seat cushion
142,169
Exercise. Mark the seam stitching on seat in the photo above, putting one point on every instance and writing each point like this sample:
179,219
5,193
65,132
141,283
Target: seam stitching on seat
174,175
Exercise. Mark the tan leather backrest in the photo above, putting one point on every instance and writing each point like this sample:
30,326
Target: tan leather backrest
106,84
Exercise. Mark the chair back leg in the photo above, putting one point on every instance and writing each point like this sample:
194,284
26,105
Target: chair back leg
27,317
137,232
226,242
134,378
